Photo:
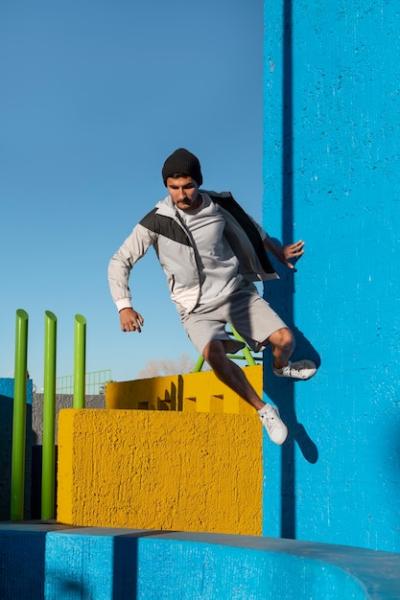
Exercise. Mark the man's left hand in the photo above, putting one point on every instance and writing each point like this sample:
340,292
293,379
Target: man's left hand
291,251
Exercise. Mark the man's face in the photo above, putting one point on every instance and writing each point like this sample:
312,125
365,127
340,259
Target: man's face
184,192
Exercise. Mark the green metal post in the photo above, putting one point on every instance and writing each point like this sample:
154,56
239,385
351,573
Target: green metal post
19,417
246,352
247,355
79,362
49,410
199,365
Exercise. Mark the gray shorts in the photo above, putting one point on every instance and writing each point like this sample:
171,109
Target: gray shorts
250,315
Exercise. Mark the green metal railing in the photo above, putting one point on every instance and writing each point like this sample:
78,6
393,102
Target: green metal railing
94,382
246,354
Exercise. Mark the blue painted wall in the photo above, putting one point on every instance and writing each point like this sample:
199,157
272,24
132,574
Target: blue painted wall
102,567
121,564
331,167
217,571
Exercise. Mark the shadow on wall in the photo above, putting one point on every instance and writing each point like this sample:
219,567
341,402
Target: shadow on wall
6,426
67,588
36,478
96,569
153,393
22,563
125,570
101,565
280,295
173,399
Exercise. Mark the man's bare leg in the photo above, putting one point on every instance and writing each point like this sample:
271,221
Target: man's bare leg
282,342
230,373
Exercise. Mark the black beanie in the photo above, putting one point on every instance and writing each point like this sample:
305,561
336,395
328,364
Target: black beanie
183,162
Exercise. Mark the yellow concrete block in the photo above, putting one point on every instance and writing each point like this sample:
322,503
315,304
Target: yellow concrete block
192,392
156,393
160,470
65,464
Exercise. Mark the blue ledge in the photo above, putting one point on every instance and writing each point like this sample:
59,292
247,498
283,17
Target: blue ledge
47,560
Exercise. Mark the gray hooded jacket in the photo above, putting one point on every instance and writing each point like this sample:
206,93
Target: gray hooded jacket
164,230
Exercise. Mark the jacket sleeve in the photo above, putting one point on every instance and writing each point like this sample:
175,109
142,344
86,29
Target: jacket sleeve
260,230
120,265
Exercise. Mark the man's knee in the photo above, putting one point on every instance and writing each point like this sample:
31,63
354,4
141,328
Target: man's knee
214,352
282,338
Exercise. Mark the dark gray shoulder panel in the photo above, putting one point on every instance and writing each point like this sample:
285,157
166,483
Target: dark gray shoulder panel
165,226
215,195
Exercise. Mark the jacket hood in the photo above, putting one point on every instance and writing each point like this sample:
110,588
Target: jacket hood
166,207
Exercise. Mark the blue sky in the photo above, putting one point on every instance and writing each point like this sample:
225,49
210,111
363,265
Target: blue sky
94,96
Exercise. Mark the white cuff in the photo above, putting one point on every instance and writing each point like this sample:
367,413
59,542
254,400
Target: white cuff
123,303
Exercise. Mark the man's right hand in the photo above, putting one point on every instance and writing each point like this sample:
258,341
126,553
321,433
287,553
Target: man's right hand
130,320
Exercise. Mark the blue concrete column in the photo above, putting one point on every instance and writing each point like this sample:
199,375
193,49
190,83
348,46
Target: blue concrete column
331,174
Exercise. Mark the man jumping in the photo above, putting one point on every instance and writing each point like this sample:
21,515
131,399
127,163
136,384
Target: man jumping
211,252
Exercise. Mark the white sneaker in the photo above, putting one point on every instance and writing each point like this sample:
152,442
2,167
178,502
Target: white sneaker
301,369
276,428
